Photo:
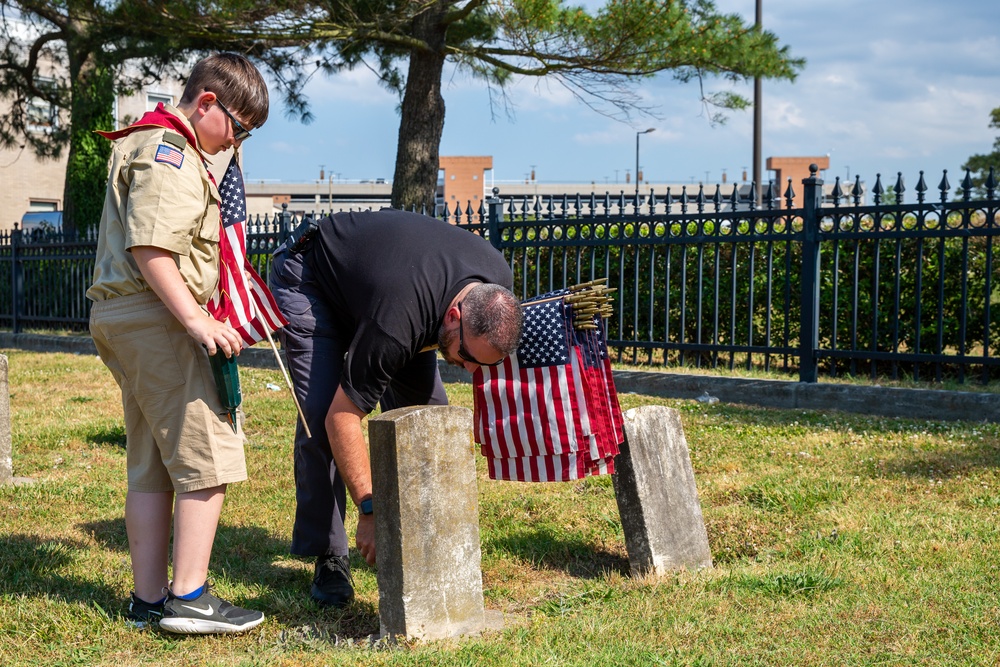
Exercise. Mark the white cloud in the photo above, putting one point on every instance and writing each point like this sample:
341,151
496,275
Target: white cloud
282,147
543,95
358,86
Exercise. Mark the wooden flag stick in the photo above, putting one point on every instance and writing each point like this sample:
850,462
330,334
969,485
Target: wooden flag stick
288,380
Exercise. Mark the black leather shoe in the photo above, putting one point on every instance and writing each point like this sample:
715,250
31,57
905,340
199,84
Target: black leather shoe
332,584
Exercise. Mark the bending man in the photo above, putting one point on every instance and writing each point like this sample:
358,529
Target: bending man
368,296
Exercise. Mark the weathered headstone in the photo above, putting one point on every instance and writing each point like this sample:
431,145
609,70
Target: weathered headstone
6,462
426,523
657,498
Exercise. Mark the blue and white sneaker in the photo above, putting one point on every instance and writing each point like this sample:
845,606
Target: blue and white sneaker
206,615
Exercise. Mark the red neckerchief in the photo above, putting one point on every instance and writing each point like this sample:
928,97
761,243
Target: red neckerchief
159,117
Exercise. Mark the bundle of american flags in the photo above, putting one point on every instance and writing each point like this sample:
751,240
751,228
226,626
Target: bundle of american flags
550,412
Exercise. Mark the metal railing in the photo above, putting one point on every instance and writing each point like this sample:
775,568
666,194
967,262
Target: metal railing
891,288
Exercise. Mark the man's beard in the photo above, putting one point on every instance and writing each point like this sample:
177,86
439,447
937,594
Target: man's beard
446,339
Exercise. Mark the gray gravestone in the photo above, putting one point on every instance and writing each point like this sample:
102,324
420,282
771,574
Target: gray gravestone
656,493
426,505
6,463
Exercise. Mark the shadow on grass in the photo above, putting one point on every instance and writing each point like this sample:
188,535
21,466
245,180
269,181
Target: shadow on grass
248,555
938,464
239,550
307,625
545,550
112,435
31,566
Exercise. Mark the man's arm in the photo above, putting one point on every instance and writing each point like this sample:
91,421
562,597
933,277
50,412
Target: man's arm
158,268
347,443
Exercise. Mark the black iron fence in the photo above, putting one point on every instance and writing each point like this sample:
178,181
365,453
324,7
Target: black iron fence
889,288
43,279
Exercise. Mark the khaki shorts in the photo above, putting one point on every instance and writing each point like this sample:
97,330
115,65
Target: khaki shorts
177,432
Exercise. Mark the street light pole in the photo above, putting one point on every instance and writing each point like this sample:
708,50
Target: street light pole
758,111
652,129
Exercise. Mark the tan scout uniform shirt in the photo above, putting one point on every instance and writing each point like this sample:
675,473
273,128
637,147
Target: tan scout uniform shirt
154,202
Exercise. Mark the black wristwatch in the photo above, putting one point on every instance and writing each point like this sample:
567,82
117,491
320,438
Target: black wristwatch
365,506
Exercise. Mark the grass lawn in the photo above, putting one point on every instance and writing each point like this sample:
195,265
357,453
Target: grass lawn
837,540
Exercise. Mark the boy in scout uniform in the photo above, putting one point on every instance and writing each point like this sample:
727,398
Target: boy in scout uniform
157,266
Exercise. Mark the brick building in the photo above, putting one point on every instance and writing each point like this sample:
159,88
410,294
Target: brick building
28,184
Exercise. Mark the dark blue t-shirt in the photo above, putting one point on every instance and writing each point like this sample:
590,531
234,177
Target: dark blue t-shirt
391,275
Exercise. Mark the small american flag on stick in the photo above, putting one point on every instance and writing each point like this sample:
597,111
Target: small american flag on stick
241,297
550,412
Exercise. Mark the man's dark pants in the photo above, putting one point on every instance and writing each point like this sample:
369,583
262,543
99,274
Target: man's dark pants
315,346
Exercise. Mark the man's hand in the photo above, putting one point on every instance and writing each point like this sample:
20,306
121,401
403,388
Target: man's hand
365,537
347,443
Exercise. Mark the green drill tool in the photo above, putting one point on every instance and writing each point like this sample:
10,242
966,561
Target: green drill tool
227,381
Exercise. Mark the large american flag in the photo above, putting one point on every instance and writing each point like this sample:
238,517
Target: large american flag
549,413
241,296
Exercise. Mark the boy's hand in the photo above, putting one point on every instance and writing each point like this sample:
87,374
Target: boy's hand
160,271
214,335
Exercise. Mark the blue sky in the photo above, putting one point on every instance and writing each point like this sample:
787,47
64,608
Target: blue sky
887,87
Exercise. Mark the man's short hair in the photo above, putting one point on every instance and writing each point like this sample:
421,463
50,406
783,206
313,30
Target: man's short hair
493,312
235,81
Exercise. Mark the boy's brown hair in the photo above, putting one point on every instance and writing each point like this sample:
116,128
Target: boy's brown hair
235,81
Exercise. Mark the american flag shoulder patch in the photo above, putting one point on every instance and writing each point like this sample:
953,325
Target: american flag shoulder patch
170,155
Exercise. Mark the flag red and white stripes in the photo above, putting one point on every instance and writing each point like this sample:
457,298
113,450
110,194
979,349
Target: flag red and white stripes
241,297
549,413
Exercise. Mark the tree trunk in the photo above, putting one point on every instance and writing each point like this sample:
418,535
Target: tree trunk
422,120
87,166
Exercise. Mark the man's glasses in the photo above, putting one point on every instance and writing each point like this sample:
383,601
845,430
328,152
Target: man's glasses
462,352
239,132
